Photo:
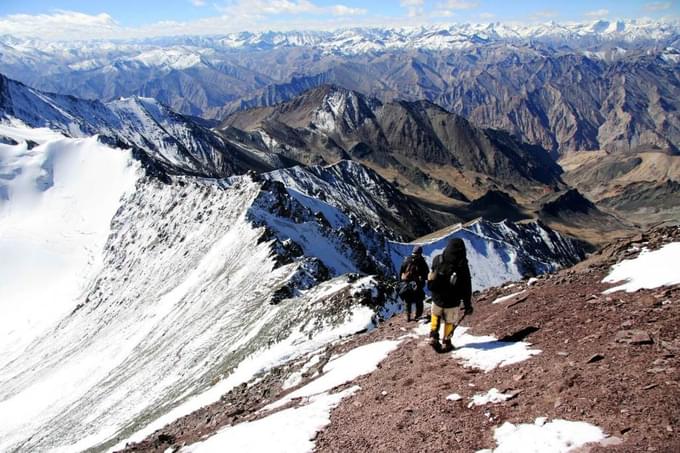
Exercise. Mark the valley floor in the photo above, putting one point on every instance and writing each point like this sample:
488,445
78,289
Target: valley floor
610,360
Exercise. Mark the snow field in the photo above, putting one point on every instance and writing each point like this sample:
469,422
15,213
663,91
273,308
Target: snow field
491,397
650,269
292,429
557,436
56,204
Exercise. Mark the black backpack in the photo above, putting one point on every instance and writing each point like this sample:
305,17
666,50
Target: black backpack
443,277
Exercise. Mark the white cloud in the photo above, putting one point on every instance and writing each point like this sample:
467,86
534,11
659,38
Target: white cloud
442,13
342,10
237,15
458,4
59,25
267,7
414,8
658,6
544,14
598,13
260,8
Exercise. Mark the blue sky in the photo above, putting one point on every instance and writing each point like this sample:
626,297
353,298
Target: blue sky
73,18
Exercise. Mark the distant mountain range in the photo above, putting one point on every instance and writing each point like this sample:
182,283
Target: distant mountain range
588,86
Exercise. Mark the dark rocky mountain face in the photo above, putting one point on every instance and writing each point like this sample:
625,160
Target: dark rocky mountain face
416,143
363,194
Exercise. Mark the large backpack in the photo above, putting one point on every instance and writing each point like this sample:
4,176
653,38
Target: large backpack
410,274
443,277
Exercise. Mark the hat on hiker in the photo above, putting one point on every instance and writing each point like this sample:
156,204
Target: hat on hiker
417,250
454,251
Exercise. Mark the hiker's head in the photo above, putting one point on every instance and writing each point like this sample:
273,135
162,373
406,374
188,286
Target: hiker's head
455,250
417,250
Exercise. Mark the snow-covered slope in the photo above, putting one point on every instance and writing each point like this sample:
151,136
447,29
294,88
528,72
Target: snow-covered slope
175,142
53,226
355,189
179,301
185,287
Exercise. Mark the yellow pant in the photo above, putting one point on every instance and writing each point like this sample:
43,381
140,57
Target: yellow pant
448,327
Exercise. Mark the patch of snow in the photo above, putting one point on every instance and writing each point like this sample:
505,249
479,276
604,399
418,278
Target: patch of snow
508,297
295,378
454,397
290,430
532,281
491,397
650,269
557,436
486,352
342,369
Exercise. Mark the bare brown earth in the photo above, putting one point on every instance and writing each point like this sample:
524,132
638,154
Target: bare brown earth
611,360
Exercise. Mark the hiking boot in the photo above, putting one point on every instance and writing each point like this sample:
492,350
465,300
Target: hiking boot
434,339
447,345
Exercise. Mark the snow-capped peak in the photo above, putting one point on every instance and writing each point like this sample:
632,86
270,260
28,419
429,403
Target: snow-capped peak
181,52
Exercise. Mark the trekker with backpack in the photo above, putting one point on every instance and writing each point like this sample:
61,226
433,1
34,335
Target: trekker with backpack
450,283
413,275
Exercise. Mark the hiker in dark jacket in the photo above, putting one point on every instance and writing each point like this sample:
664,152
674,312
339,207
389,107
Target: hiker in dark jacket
450,284
413,276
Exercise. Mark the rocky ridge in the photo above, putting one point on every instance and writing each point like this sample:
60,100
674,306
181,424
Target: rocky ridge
610,360
419,141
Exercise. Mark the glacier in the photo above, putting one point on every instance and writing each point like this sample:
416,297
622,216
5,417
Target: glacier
53,226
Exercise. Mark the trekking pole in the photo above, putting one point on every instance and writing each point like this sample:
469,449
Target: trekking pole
461,316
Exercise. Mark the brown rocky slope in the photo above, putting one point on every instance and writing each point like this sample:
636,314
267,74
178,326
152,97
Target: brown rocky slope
610,360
